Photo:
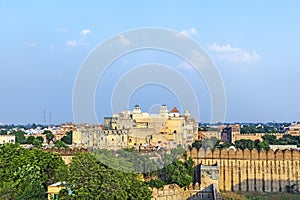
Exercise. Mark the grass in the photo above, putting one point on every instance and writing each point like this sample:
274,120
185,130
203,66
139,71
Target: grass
259,196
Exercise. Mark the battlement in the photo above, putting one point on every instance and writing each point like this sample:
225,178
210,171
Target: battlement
251,170
65,151
246,154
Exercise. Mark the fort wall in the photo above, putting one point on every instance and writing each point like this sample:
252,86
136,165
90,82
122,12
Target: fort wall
245,170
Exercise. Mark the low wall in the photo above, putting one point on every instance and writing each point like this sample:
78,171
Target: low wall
172,192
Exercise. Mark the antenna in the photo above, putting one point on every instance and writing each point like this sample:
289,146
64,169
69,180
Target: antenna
45,122
50,119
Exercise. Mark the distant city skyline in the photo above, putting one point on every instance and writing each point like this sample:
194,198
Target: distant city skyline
254,45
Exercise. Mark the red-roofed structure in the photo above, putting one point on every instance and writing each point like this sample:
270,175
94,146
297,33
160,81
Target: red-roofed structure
174,110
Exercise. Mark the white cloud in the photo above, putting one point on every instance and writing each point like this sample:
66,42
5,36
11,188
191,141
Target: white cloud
189,32
72,43
234,54
63,30
30,44
85,32
79,41
124,40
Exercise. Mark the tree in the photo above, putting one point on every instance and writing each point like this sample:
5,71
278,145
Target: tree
67,138
289,139
224,145
178,172
49,137
30,139
20,138
3,132
197,144
45,132
59,144
40,138
244,144
156,183
210,143
28,172
270,139
263,145
33,126
37,143
90,179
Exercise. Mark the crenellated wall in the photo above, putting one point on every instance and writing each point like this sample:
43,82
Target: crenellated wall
245,170
66,153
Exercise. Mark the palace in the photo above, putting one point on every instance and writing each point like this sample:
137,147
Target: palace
140,130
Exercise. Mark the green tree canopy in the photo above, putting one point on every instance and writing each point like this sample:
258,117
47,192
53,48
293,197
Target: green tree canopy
67,138
37,143
45,132
178,172
49,137
197,144
90,179
244,144
20,138
40,138
30,139
60,144
270,139
25,174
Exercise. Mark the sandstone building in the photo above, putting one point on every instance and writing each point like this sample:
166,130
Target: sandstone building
136,128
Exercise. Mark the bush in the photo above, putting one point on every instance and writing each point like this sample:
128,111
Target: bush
156,183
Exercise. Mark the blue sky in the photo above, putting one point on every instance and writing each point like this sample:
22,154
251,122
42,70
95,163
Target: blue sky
254,44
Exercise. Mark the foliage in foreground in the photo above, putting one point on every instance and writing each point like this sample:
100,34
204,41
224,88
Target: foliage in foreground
90,179
25,174
166,168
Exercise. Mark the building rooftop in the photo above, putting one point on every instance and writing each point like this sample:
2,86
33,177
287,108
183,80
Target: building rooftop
174,110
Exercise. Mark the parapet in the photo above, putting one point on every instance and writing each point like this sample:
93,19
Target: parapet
65,151
246,154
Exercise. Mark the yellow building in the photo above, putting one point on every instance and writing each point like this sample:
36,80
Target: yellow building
53,190
7,139
136,128
94,136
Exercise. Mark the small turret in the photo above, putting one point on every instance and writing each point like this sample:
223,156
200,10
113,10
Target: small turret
174,112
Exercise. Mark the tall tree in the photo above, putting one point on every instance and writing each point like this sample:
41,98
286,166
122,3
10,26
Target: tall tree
90,179
60,144
40,138
37,143
178,171
20,138
244,144
30,139
49,137
67,138
28,172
